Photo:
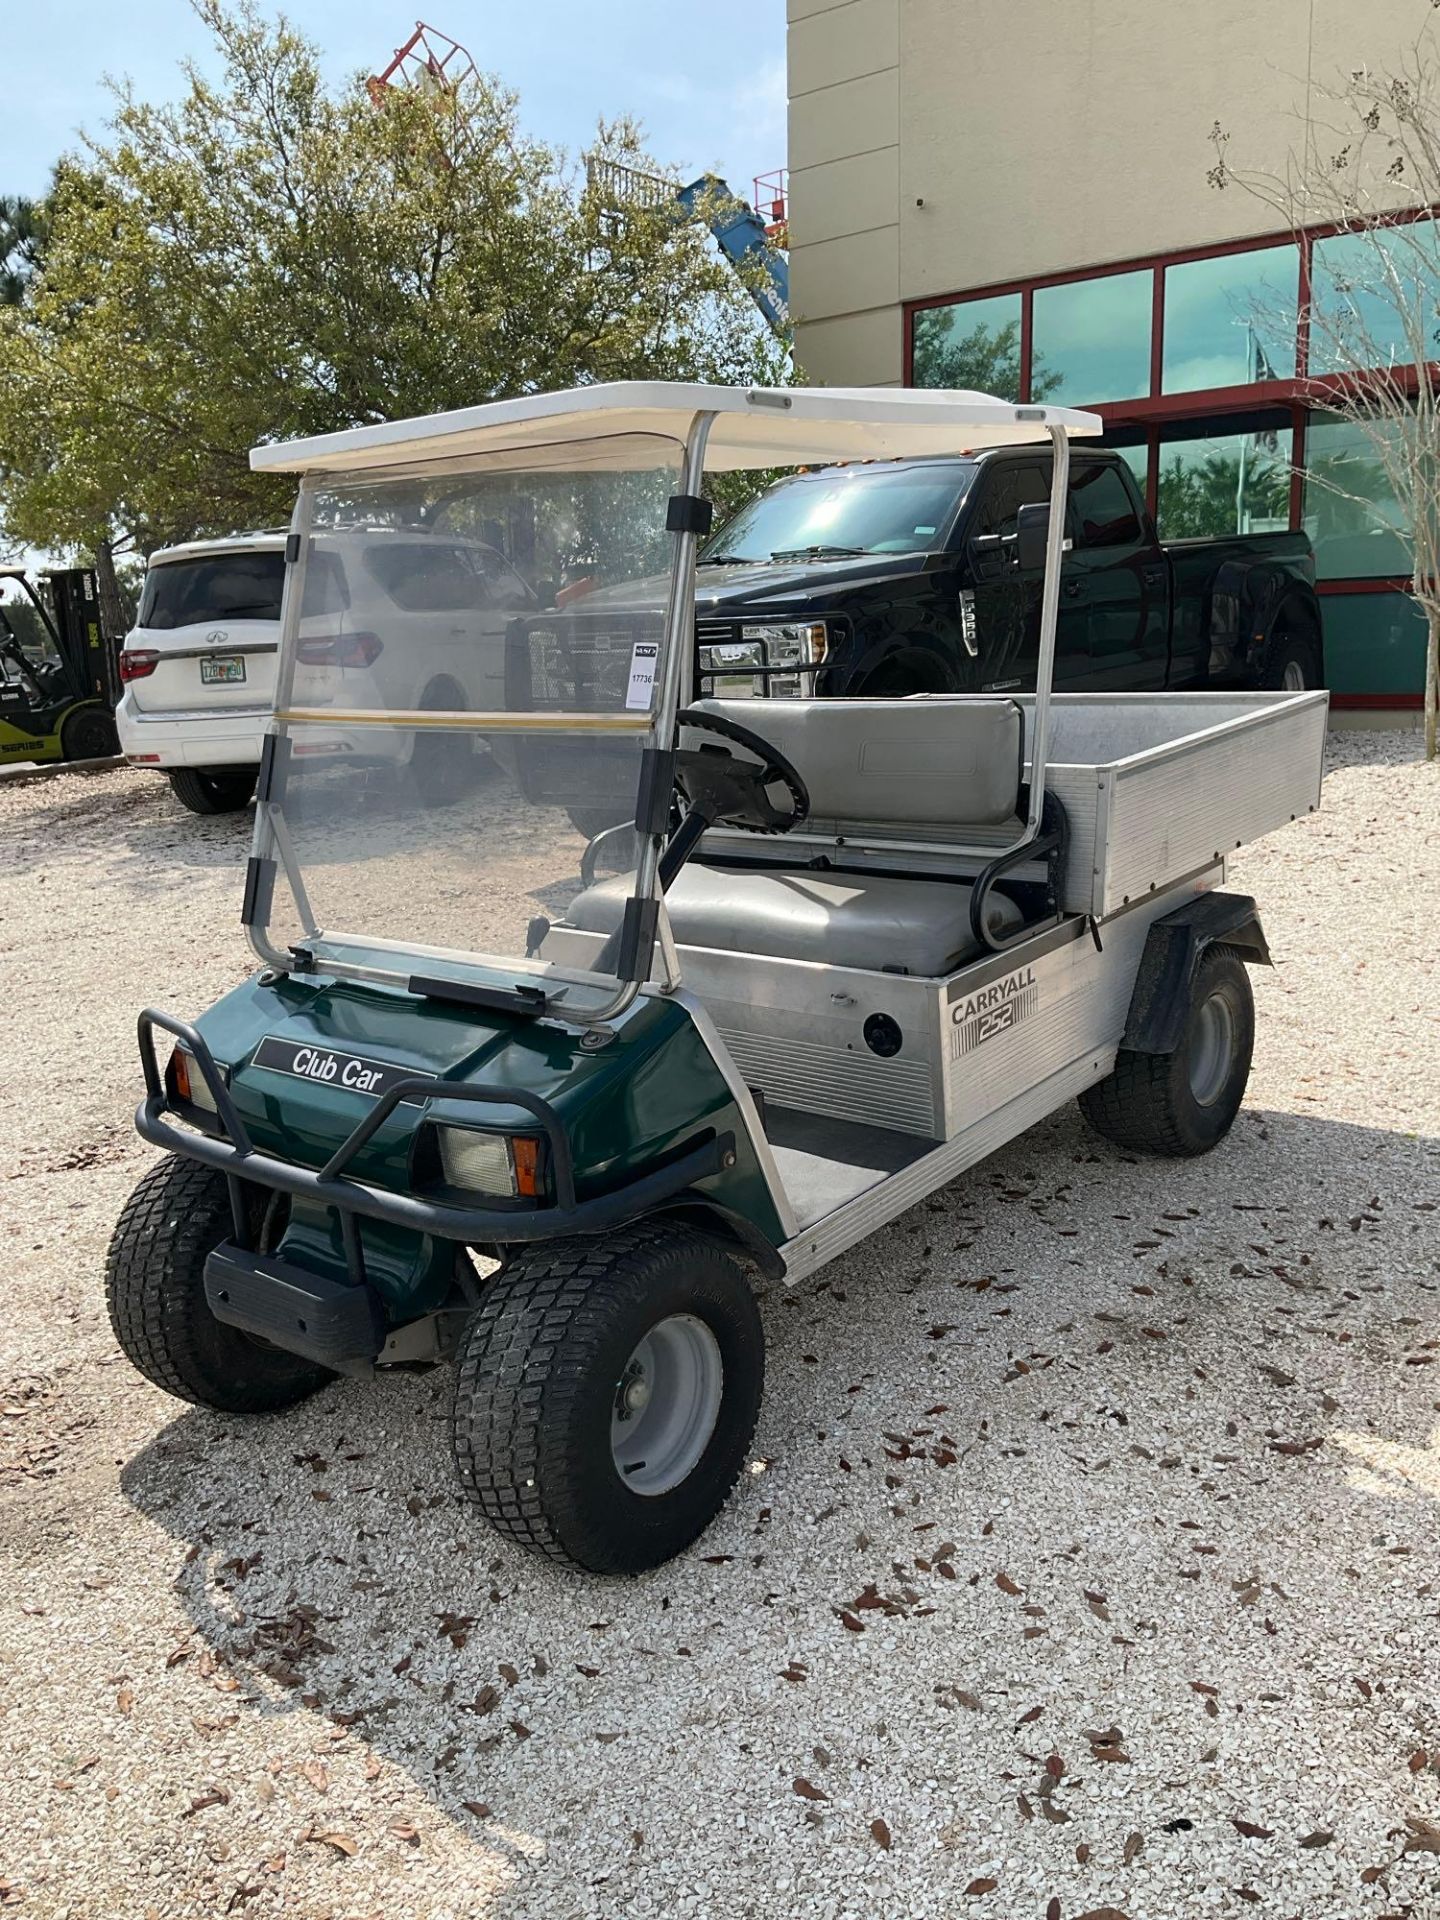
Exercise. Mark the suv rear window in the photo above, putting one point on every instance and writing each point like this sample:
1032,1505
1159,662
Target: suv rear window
224,586
236,586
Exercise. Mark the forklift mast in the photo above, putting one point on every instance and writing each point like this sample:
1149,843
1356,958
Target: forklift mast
91,659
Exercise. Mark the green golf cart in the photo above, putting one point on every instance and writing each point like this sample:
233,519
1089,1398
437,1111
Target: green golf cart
548,1099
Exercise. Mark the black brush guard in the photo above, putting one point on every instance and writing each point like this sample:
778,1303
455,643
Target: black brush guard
342,1324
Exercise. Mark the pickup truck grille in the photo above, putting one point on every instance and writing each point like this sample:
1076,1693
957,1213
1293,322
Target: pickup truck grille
573,662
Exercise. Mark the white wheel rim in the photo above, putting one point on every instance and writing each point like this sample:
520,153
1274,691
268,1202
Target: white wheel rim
666,1403
1292,680
1212,1047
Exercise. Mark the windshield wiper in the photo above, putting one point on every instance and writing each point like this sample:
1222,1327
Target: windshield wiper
725,560
818,553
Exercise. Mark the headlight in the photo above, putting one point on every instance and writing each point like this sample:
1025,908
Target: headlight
187,1083
785,645
790,645
505,1166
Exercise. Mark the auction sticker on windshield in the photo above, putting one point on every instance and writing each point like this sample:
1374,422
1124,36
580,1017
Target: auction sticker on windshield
641,690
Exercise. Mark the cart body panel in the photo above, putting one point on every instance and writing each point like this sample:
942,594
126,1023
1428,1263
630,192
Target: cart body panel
627,1109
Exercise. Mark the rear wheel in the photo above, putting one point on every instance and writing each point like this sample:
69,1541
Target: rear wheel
1294,662
155,1291
89,734
1183,1103
213,792
442,765
606,1396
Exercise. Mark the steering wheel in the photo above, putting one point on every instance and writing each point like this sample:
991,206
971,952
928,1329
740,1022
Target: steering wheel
731,792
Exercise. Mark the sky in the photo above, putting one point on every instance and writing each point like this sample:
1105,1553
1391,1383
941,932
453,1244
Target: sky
708,83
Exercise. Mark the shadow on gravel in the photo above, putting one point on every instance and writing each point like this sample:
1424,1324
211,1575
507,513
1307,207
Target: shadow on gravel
332,1570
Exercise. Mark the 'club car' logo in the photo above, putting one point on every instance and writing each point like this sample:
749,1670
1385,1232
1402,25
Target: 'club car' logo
331,1069
993,1010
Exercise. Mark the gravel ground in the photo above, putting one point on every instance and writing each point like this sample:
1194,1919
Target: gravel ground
1087,1564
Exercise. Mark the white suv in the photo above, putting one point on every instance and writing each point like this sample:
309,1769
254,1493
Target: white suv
199,665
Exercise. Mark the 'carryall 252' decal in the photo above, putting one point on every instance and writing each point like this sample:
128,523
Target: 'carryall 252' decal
309,1062
992,1010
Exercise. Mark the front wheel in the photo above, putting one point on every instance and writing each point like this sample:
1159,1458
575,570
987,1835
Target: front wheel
606,1396
213,792
89,734
155,1290
1183,1103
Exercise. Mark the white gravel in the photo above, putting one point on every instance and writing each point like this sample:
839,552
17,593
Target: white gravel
1093,1513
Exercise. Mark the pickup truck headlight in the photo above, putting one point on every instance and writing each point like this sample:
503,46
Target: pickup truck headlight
500,1166
784,644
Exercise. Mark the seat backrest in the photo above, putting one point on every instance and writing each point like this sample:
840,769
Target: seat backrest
931,761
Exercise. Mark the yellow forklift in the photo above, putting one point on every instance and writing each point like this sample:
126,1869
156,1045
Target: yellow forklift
59,680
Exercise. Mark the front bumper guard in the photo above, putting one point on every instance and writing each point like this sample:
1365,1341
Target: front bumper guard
232,1152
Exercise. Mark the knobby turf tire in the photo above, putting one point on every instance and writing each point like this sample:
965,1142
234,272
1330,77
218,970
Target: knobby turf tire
1147,1104
155,1291
209,793
537,1374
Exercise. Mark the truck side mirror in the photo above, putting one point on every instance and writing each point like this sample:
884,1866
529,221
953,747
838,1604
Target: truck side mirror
1032,531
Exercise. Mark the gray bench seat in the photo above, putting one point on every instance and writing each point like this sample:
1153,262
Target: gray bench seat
870,921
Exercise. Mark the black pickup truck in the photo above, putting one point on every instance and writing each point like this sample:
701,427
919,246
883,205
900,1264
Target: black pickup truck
914,576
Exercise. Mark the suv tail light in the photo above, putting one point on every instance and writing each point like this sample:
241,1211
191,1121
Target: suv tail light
341,650
137,662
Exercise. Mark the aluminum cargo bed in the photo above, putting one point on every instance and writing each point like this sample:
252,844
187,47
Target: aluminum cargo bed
1157,787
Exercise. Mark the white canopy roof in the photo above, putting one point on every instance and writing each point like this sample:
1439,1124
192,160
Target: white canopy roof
754,427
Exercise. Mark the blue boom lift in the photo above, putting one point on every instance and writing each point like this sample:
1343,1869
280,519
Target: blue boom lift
740,232
742,237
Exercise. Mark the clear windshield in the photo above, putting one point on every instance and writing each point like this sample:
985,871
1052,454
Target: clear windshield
467,702
846,510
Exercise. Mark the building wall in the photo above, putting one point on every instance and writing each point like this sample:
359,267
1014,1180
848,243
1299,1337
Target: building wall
844,211
1040,135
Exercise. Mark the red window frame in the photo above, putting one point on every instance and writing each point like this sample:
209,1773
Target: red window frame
1155,410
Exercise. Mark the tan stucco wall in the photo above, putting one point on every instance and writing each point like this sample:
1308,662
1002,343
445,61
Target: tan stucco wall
844,211
1041,136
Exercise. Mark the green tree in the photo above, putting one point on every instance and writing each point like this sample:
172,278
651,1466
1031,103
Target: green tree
267,257
24,229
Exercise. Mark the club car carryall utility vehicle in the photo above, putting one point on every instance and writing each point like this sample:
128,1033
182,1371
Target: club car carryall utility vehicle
549,1103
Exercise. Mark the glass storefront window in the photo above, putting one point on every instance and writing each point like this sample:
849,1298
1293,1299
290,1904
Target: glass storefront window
1231,321
1374,297
1137,458
973,345
1092,339
1351,514
1218,483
